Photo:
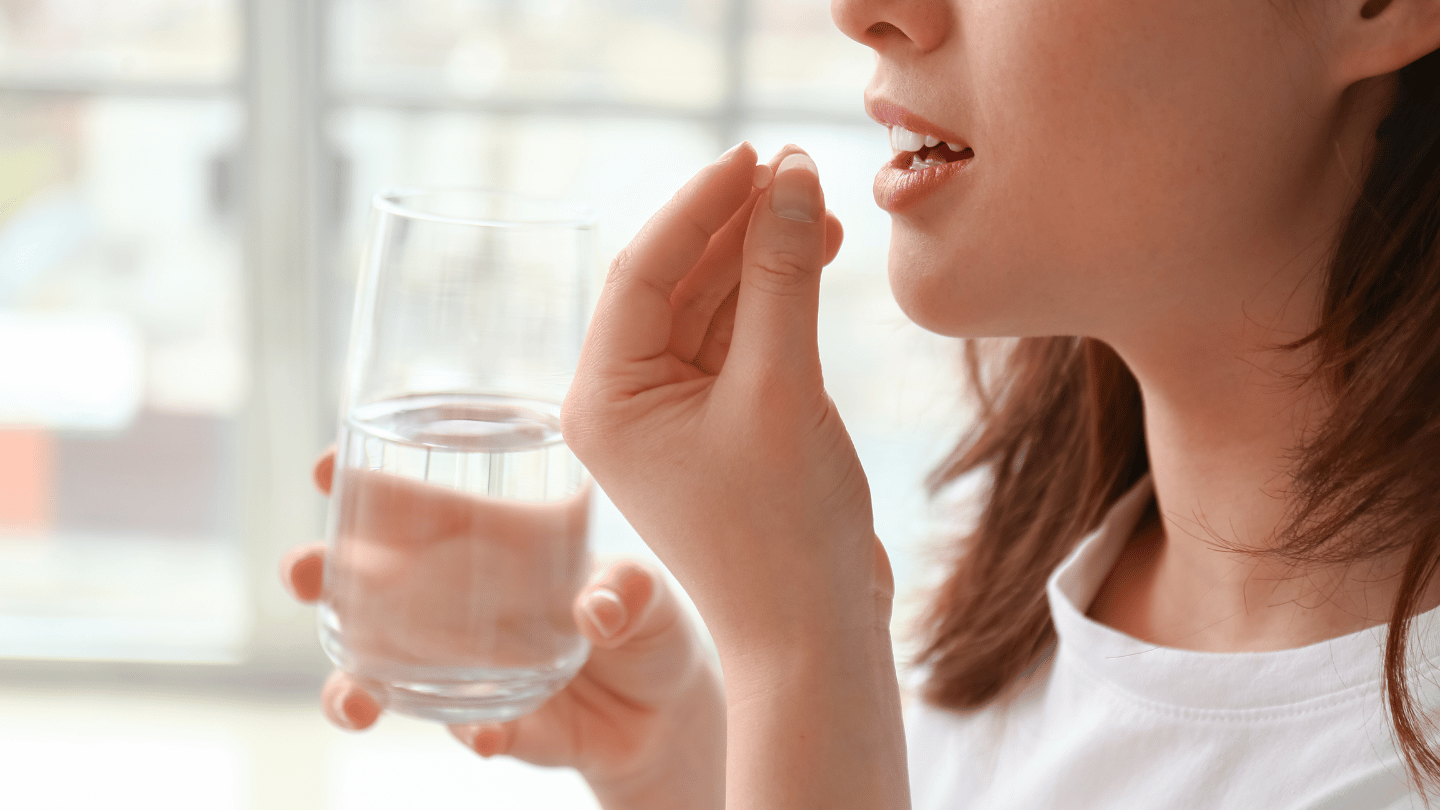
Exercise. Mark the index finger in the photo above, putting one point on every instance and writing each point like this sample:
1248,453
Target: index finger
634,317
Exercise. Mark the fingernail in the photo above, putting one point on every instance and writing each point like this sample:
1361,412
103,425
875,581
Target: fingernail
339,702
487,741
731,152
358,709
307,577
763,175
793,195
606,611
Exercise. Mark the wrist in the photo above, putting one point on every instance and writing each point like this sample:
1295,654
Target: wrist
826,608
819,727
838,656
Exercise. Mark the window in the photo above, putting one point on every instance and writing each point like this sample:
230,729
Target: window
123,359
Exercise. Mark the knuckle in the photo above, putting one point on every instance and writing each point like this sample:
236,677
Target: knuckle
782,272
576,422
583,442
623,261
636,585
698,300
570,412
628,572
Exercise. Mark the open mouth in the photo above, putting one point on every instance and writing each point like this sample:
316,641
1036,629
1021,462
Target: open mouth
918,152
926,159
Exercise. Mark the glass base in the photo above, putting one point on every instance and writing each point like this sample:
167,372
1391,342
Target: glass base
451,694
491,701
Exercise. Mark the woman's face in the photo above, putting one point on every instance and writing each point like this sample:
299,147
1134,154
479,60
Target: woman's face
1136,163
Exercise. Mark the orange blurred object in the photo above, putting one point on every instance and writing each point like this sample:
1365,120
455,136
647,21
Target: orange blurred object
27,462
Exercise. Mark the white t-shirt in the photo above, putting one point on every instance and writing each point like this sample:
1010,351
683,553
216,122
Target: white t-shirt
1108,721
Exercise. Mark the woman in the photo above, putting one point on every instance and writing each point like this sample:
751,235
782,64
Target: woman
1220,494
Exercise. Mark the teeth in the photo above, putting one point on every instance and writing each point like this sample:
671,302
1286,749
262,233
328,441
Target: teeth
916,164
903,140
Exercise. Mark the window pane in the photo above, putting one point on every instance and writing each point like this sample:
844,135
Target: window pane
121,377
666,53
185,40
625,168
796,59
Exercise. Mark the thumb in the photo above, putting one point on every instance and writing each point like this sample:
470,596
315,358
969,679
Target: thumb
777,308
645,648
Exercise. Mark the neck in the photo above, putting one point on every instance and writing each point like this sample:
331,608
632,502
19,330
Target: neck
1225,415
1223,421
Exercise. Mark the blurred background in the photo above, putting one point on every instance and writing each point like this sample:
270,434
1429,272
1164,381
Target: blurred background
183,185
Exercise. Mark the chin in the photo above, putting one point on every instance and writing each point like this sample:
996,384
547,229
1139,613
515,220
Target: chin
923,311
923,284
965,289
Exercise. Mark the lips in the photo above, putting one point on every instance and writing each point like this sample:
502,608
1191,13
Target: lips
926,157
899,187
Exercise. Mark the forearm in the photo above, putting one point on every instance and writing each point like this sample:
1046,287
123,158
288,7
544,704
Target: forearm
688,769
817,727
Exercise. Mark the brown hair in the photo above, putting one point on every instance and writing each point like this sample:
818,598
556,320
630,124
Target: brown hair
1061,436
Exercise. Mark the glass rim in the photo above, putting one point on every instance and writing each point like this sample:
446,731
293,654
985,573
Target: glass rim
569,214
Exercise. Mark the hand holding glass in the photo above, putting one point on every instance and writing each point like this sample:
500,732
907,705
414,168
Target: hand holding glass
458,525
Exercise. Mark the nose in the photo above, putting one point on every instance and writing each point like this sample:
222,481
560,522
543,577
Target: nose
884,25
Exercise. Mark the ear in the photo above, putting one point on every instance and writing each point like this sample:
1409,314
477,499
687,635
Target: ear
1376,37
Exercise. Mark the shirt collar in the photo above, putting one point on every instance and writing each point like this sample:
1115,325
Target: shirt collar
1244,680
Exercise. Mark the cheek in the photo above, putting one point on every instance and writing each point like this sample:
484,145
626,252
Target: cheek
1113,164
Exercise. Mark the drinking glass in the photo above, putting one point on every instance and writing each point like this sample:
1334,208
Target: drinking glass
458,520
